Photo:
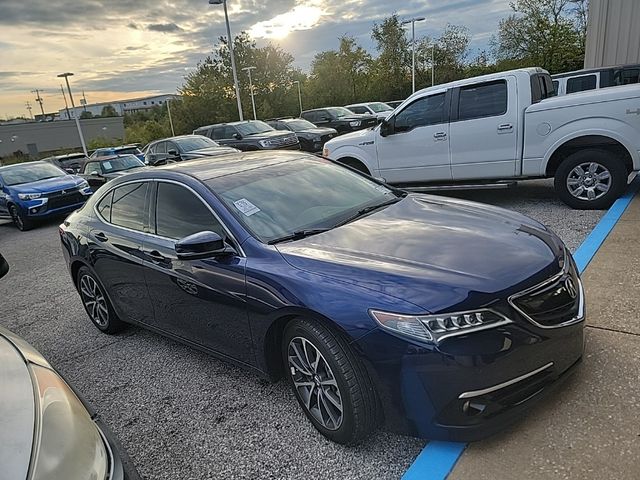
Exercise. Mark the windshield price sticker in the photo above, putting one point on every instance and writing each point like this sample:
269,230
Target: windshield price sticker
107,165
246,207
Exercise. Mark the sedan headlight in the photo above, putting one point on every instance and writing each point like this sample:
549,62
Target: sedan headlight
29,196
68,443
435,328
355,123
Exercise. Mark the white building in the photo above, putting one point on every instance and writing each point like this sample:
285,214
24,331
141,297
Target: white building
613,33
122,107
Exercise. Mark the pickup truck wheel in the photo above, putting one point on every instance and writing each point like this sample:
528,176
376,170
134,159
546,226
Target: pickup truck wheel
590,179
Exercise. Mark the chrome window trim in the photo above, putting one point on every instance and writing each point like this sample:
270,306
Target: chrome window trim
484,391
565,270
153,235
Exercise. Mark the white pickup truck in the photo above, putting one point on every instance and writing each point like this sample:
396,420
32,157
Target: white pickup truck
505,126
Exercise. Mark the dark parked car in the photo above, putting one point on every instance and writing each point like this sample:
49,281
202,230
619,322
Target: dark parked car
311,138
443,317
48,432
99,171
249,135
340,118
184,147
70,163
34,191
131,149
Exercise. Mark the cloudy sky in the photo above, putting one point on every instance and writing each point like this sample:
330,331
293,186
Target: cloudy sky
126,48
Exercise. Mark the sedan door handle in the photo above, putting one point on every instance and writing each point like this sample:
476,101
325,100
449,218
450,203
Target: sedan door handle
505,127
101,237
439,135
157,256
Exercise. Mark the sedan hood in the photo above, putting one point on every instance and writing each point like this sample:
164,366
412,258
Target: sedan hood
434,252
48,185
17,410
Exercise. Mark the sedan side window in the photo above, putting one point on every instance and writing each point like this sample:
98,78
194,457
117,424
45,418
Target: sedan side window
127,207
359,109
161,147
424,111
104,206
179,213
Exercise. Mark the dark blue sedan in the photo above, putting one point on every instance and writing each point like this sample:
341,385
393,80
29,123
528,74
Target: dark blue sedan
34,191
437,317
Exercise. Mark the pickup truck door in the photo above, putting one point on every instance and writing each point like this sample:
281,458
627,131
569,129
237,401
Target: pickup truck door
417,148
484,130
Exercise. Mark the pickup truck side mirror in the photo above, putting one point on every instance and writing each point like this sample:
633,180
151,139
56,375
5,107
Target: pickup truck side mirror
387,127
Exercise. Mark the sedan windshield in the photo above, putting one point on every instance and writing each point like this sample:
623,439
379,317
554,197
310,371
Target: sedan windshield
340,112
119,164
297,196
378,107
29,172
299,125
251,128
188,144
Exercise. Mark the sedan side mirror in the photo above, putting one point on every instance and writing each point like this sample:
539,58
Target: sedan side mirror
4,266
386,127
95,173
173,153
202,245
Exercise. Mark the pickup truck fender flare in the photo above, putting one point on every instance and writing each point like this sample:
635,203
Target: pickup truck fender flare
614,129
352,151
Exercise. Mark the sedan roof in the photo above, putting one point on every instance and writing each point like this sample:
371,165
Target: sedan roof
226,164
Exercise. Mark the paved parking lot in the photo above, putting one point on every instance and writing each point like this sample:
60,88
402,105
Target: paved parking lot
183,414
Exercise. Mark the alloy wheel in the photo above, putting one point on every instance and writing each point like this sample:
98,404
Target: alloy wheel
94,301
315,383
589,181
17,219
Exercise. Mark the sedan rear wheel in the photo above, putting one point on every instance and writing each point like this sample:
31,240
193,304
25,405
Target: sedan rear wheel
96,303
330,382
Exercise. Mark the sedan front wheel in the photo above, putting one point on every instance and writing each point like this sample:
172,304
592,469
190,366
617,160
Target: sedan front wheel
330,382
96,303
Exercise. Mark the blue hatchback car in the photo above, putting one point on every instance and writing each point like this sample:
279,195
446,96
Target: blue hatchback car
437,317
33,191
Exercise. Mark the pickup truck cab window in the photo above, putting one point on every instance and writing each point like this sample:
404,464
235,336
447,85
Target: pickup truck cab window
582,83
482,100
422,112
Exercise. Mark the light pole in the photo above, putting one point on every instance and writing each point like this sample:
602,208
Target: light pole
413,21
433,63
233,60
73,109
299,95
253,103
66,105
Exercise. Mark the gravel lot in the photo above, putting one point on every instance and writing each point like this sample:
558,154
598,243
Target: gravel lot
183,414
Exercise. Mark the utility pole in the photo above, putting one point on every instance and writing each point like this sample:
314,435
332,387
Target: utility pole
253,103
413,21
39,100
29,107
233,59
84,101
75,115
66,105
433,63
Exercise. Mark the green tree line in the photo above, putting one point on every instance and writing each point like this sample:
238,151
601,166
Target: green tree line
545,33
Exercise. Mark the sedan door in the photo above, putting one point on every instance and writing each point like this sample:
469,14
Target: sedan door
115,245
417,149
202,301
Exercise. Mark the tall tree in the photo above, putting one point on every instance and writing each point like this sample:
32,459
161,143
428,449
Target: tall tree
542,33
449,51
391,75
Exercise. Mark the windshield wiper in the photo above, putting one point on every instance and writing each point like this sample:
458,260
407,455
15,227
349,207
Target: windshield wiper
298,234
369,209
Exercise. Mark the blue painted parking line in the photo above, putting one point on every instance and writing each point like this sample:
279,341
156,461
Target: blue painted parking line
437,459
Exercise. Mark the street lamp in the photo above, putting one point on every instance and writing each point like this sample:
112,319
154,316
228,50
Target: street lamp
253,103
233,60
413,21
299,95
73,107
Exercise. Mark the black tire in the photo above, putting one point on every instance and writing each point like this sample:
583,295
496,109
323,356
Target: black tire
606,161
353,387
22,223
356,165
101,311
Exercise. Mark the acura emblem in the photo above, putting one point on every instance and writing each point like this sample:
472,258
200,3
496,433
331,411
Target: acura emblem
571,288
